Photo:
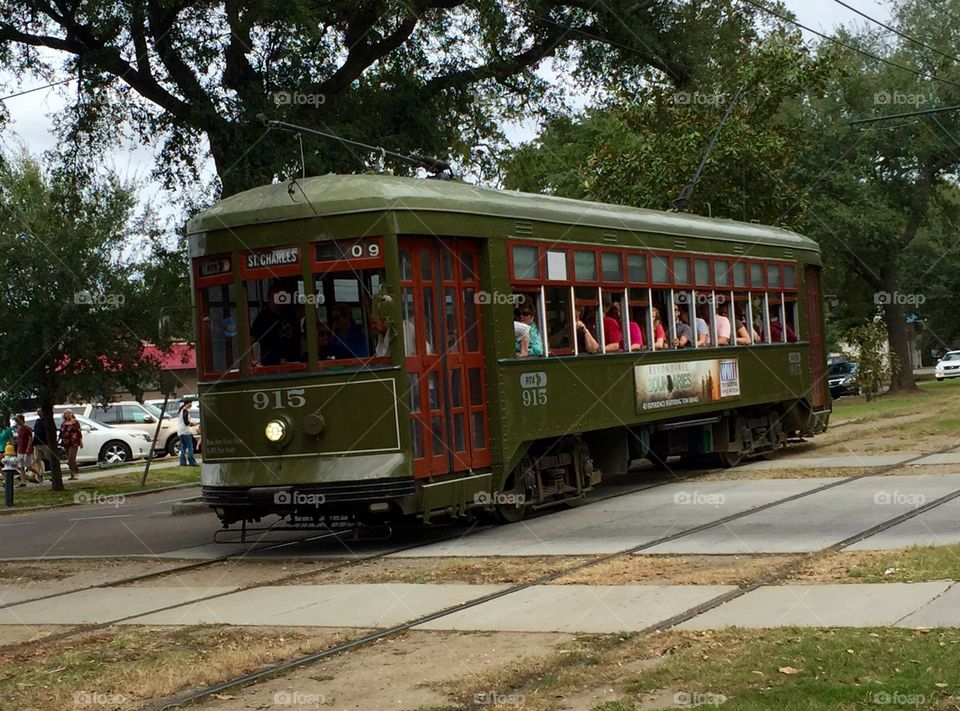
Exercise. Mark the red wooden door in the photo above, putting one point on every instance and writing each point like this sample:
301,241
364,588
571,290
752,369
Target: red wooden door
818,358
443,343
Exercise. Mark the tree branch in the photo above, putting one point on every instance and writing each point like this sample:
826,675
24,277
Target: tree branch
362,55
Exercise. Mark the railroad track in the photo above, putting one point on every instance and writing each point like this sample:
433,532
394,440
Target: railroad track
779,574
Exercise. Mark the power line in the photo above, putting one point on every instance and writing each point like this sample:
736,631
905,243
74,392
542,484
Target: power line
38,88
898,32
922,75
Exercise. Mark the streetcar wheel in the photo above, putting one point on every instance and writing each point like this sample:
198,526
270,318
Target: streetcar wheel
730,459
511,505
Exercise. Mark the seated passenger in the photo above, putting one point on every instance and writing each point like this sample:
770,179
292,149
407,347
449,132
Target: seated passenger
521,337
525,316
586,341
703,333
636,336
558,337
659,334
273,329
612,332
380,327
683,334
348,338
743,335
776,332
723,325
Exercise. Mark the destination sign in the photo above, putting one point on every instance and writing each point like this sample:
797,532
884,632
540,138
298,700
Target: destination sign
273,257
218,265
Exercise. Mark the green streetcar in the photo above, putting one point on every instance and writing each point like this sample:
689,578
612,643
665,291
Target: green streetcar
375,347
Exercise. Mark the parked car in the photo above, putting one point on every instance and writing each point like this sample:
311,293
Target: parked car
948,366
132,416
841,377
103,443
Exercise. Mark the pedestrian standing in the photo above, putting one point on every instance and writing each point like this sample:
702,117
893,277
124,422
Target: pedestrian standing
72,440
24,450
41,449
186,435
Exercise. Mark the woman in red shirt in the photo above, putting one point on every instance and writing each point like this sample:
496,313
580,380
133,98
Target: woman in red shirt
72,440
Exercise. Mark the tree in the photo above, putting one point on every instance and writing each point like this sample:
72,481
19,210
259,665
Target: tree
877,190
435,76
875,366
68,329
643,149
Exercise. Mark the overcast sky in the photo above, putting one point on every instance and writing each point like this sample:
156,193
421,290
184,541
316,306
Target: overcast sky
31,123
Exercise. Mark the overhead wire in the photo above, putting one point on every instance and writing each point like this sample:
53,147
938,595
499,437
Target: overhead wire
897,32
853,48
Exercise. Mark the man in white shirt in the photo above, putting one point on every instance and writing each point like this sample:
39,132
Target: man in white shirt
185,433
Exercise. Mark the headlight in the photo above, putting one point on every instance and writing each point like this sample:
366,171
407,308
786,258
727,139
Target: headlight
847,380
275,430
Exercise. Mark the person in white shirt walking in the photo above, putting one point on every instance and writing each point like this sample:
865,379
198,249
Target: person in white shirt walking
186,435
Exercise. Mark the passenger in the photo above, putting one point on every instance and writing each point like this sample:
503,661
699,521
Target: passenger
273,329
324,341
683,334
521,337
743,335
380,327
586,341
636,336
348,338
723,325
703,333
612,332
559,336
659,334
527,316
776,331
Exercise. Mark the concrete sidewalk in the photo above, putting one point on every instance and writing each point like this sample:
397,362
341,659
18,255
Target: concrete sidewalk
594,609
850,461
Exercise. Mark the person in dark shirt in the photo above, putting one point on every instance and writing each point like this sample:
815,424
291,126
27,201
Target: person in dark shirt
41,449
348,338
273,328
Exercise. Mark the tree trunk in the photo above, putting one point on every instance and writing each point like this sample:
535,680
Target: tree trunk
902,380
56,475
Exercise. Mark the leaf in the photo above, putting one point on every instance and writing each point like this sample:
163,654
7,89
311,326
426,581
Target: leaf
789,670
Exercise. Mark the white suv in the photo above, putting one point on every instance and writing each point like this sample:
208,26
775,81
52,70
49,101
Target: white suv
133,416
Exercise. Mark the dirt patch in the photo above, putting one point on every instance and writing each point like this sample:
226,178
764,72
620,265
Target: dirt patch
678,570
72,573
123,668
925,469
741,473
417,670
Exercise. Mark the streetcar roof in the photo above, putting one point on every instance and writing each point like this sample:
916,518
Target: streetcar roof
331,195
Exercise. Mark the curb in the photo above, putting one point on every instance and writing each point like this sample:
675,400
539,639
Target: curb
50,507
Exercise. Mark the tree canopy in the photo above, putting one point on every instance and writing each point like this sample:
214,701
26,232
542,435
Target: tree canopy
431,76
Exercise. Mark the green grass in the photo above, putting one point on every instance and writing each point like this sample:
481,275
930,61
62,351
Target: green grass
838,669
910,564
94,489
855,408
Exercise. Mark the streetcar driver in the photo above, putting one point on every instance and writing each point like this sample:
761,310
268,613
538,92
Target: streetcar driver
273,328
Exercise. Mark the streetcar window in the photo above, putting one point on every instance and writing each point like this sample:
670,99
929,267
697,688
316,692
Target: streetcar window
585,266
343,301
612,266
525,262
721,272
742,320
662,313
739,274
558,318
792,321
556,265
681,270
773,276
637,268
661,270
587,329
756,275
614,322
218,325
702,271
790,277
277,321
